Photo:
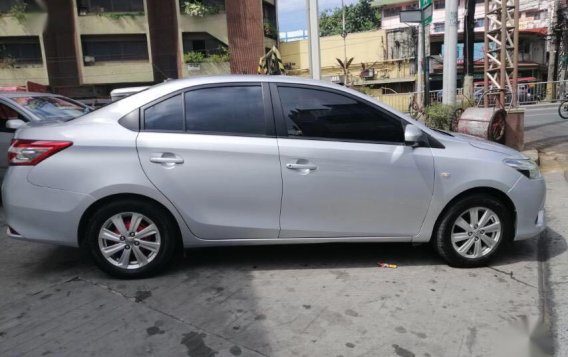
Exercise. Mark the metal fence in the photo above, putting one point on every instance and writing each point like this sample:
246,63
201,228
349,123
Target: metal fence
403,101
528,93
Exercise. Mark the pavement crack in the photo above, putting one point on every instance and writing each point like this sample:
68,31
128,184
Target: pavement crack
165,314
511,276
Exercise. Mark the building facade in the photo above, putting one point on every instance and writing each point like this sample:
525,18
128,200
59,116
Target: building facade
533,25
88,47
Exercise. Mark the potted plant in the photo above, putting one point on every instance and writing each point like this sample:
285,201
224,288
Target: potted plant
193,60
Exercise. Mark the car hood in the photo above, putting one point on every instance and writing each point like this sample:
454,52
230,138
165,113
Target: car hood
488,145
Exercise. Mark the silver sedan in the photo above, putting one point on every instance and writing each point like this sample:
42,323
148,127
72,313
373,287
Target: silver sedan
247,160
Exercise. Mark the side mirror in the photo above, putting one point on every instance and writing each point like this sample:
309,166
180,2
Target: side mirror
413,135
14,123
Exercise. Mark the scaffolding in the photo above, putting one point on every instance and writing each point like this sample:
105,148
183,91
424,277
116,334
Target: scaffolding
501,51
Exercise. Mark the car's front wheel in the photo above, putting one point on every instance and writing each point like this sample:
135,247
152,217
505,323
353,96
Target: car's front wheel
471,231
131,238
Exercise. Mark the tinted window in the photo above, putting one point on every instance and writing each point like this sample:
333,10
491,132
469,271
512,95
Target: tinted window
320,114
166,115
235,110
57,108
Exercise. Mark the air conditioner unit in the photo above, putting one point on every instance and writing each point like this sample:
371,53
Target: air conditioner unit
369,73
89,60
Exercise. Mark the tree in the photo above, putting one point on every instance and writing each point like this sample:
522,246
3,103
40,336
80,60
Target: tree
358,17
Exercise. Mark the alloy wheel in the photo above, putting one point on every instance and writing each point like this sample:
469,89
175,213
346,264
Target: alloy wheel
476,232
129,240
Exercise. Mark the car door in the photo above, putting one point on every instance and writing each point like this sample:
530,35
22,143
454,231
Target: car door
212,152
7,112
346,170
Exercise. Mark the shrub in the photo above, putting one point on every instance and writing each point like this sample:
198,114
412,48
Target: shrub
193,57
439,116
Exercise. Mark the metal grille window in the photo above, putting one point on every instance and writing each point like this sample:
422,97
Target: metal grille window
439,27
20,50
7,5
115,48
111,5
439,4
391,11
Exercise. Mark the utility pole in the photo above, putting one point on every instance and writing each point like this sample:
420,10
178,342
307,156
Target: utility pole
450,53
314,38
553,51
469,36
344,35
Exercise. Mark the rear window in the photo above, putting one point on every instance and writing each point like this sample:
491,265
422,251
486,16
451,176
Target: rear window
52,108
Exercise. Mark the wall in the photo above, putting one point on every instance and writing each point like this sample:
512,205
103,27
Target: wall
367,47
18,75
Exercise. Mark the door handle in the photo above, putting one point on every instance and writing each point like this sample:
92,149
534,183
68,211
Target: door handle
293,166
168,159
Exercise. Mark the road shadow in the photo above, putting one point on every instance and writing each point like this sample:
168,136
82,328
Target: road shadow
545,143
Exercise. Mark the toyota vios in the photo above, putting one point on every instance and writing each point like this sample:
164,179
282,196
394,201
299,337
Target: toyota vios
245,160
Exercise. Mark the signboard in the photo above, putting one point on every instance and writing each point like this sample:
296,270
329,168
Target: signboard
427,16
411,16
423,15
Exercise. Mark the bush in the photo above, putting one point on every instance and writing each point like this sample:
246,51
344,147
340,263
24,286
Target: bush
193,57
439,116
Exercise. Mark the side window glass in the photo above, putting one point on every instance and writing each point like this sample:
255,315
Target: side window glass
234,110
166,115
314,113
7,113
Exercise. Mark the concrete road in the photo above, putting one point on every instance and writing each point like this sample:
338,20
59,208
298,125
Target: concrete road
545,130
318,300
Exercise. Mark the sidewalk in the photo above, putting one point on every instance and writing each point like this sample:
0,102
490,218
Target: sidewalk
553,252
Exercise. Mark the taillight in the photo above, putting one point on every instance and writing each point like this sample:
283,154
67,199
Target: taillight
32,152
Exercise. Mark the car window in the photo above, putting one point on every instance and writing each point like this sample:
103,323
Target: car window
313,113
51,108
165,115
234,110
7,113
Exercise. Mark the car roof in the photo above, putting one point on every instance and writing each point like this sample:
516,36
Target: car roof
8,94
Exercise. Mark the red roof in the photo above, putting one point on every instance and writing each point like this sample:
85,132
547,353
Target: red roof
538,31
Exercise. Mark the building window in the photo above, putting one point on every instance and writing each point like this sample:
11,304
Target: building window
391,11
439,27
269,20
412,7
202,42
7,5
115,47
20,50
98,6
479,22
439,4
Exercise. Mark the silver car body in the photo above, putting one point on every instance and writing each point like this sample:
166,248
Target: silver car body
241,190
6,135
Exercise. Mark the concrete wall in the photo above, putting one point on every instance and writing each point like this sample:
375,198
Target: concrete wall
364,47
33,25
118,72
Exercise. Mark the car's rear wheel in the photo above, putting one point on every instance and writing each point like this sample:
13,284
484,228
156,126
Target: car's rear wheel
131,239
473,230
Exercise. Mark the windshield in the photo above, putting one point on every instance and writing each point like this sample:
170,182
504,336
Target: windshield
54,108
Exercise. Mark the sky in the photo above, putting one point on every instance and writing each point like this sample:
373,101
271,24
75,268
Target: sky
292,14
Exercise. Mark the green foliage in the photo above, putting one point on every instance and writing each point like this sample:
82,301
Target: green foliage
119,15
358,17
269,30
222,55
18,11
439,116
193,57
199,8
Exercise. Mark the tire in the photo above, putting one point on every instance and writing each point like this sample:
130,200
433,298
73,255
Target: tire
155,236
563,109
450,239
